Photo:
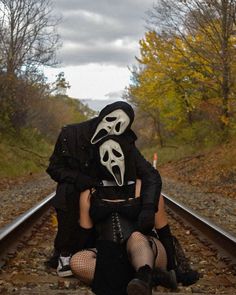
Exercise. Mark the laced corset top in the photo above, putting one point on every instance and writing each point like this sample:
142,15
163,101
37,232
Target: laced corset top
115,221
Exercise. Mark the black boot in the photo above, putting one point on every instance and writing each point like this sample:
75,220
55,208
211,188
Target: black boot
187,278
164,278
167,241
142,283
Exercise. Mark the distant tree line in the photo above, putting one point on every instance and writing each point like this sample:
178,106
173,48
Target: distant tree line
184,83
29,41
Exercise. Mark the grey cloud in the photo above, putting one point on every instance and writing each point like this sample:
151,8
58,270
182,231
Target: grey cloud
115,95
103,54
93,27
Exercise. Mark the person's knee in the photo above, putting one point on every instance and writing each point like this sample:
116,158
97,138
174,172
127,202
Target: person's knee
137,236
77,264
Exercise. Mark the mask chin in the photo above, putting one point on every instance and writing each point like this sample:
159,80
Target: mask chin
117,175
100,135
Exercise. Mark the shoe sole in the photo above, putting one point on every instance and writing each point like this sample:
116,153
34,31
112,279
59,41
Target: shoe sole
137,287
67,273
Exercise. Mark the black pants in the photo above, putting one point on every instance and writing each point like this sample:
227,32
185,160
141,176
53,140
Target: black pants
68,227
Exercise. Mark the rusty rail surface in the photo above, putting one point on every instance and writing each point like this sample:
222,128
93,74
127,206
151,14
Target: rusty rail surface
23,224
222,240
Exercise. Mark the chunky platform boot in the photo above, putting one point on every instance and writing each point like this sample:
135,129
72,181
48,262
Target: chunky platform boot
164,278
142,283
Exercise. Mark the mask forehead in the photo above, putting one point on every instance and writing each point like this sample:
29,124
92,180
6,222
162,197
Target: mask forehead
112,157
114,123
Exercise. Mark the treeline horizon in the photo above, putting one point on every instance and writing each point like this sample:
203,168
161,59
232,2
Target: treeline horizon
183,85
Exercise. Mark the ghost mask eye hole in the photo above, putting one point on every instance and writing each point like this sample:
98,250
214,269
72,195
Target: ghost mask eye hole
116,153
105,157
110,119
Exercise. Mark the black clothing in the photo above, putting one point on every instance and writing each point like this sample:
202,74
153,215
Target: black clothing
146,218
166,239
113,270
115,221
67,233
116,192
142,282
100,210
72,166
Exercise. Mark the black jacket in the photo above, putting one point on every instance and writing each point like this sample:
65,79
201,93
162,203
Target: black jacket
72,165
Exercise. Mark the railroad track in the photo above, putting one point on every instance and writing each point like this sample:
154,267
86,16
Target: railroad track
10,235
222,240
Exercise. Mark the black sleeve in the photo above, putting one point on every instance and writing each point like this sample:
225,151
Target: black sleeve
151,180
58,168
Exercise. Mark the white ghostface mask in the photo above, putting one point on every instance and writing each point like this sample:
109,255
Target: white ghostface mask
114,123
112,157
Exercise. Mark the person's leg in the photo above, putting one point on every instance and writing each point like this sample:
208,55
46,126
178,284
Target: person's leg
142,259
164,234
65,241
161,276
186,277
83,265
86,233
71,237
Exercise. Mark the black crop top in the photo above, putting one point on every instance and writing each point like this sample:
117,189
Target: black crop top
100,210
116,192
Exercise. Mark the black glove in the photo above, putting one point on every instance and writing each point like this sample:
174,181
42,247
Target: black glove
84,182
146,218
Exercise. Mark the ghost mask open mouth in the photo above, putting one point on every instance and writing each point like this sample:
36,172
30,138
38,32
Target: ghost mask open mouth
112,157
115,123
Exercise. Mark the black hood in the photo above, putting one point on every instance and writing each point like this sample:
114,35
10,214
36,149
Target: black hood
115,106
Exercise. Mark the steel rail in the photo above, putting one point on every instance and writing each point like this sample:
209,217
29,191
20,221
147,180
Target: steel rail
20,226
224,241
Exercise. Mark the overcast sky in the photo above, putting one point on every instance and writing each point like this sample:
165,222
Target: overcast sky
100,39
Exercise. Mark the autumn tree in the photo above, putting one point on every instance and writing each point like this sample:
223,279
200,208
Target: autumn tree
28,35
28,40
207,28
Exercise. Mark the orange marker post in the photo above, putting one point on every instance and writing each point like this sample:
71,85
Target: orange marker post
155,160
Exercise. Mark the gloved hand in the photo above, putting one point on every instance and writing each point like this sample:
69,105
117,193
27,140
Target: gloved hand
84,182
146,218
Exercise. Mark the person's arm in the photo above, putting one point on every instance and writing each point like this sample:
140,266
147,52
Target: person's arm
59,169
150,191
151,180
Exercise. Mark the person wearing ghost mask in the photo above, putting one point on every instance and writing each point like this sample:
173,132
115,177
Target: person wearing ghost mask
72,167
114,209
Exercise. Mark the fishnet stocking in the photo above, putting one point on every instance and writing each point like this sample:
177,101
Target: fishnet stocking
139,251
83,265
